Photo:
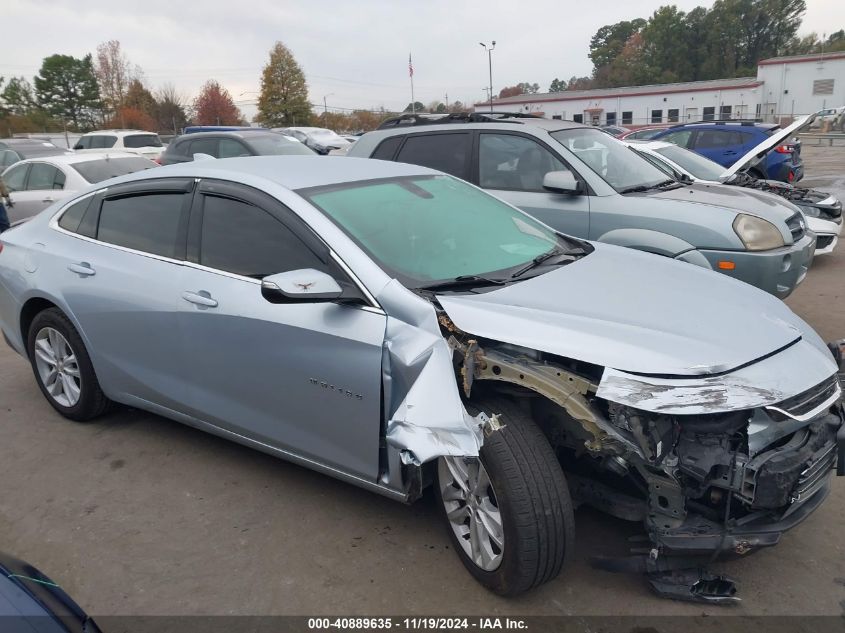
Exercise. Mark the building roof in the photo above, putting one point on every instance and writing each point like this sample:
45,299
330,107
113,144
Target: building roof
631,91
799,59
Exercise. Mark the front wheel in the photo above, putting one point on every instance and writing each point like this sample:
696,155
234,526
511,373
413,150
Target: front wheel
509,511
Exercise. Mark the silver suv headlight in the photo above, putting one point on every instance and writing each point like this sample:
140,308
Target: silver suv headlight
756,233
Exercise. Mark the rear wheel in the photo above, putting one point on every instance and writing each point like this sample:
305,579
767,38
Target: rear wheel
509,512
62,367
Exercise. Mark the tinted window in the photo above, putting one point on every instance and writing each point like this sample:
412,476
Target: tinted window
8,157
717,138
446,152
15,178
83,143
103,169
102,141
241,238
147,223
387,148
203,146
227,148
142,140
512,162
73,216
44,176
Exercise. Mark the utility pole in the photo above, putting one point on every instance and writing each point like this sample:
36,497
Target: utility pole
325,107
490,67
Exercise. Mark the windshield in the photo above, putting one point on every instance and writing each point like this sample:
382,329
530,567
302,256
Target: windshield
696,164
424,229
103,169
618,166
276,145
142,140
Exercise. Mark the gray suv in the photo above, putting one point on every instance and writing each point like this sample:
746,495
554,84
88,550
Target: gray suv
585,183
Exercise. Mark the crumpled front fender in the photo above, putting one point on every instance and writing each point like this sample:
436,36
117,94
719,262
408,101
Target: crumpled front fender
425,417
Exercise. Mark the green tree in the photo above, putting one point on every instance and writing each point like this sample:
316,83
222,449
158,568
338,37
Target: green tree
170,109
284,94
663,37
417,106
138,97
609,40
18,97
66,87
557,85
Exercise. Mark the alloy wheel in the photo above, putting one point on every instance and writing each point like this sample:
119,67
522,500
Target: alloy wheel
58,367
472,510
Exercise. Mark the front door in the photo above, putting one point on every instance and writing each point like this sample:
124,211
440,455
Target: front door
303,377
512,167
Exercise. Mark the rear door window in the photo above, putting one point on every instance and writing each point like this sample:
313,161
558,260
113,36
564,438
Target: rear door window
229,148
203,146
680,138
141,140
44,176
448,152
387,148
102,141
716,138
149,223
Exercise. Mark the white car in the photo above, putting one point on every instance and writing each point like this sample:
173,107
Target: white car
146,144
822,211
36,183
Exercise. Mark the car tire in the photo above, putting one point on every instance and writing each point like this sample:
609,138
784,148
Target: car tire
527,489
62,367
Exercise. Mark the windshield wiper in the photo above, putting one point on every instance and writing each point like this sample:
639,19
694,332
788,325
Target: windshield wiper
644,188
464,280
540,259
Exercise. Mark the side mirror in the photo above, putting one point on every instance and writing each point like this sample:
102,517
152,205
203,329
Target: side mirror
562,181
300,286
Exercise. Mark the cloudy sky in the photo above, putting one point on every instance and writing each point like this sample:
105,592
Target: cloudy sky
354,52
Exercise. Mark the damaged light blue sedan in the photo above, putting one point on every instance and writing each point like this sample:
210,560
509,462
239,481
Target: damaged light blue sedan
398,328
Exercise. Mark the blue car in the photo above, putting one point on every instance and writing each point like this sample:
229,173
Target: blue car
725,142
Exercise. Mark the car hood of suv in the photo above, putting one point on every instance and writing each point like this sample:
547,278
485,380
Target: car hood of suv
773,140
635,312
771,208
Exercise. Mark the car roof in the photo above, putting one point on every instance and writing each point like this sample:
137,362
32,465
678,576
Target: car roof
728,125
648,143
74,158
290,172
229,133
119,132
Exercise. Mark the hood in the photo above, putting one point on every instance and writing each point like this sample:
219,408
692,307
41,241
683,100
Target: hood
773,140
769,207
632,311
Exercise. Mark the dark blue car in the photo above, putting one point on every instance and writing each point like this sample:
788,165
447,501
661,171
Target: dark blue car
725,142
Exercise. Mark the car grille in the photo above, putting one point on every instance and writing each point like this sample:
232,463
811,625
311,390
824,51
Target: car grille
800,406
823,241
796,226
813,477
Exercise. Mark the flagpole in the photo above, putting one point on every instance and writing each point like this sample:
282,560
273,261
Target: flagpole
411,73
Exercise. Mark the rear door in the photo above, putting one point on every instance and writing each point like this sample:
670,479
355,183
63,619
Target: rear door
511,166
120,269
303,377
44,185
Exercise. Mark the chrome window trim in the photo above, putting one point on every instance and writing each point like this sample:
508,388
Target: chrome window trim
54,224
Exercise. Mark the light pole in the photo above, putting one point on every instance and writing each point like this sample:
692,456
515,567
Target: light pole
490,67
325,107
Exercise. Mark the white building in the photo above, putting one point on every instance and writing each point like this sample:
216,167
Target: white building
784,87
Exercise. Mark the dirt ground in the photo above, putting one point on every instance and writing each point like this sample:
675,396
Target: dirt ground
136,514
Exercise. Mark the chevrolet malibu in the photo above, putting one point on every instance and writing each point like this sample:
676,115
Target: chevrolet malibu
400,329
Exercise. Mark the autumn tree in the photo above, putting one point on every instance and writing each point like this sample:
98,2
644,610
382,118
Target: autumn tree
214,106
283,100
510,91
66,87
115,73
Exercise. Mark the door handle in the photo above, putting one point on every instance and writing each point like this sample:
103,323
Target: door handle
83,269
201,298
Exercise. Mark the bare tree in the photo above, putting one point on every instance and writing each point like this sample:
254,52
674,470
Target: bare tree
114,74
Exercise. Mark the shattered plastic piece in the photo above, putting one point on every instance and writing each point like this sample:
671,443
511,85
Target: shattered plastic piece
425,414
695,585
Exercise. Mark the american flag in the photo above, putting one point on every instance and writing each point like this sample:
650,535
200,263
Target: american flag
410,66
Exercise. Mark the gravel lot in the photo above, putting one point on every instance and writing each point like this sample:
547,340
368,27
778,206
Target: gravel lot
135,514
